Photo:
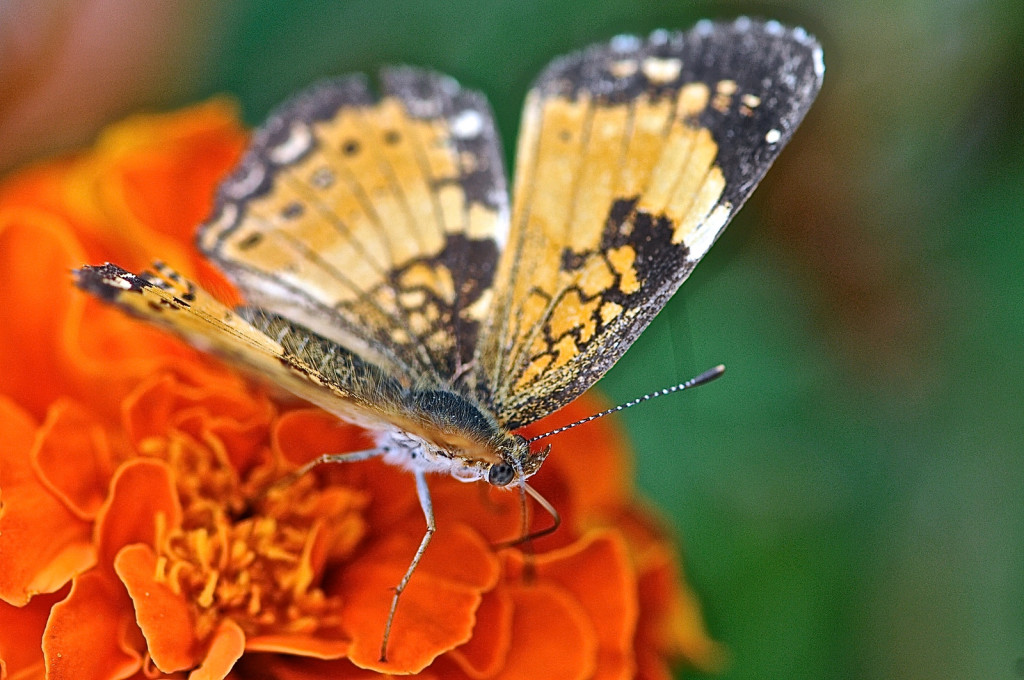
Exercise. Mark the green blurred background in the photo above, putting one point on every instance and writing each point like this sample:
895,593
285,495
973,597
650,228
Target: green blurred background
850,494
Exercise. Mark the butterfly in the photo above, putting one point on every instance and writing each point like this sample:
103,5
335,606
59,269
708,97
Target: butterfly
391,280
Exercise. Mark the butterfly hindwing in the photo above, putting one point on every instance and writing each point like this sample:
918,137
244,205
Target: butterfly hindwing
373,221
632,157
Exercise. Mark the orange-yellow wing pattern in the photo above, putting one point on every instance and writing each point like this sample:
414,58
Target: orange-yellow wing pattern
374,221
632,157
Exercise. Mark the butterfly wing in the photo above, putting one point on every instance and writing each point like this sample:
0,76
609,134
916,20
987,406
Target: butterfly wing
375,222
632,157
269,346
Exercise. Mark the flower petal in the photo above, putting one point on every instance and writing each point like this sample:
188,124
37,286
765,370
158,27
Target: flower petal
670,625
553,636
226,649
74,458
164,616
596,570
166,165
496,513
91,635
21,629
42,544
143,505
317,645
593,458
285,667
36,254
483,656
303,434
437,609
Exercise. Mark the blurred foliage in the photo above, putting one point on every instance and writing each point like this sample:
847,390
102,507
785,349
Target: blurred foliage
851,492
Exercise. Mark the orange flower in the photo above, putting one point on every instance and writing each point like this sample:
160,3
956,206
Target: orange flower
141,531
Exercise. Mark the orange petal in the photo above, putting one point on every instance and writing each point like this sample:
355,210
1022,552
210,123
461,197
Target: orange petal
149,180
143,505
670,625
167,166
552,636
102,346
319,645
211,405
225,650
74,458
42,543
163,615
21,634
596,570
303,434
484,655
36,253
437,609
392,491
85,637
496,513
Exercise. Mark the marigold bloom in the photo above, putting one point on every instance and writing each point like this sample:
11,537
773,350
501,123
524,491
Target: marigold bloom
141,530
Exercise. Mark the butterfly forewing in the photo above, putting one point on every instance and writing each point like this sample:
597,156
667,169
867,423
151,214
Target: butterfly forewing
374,221
269,347
632,158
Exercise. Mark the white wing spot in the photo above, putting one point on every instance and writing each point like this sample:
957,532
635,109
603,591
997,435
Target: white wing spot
819,62
299,141
468,124
708,231
772,136
661,70
119,282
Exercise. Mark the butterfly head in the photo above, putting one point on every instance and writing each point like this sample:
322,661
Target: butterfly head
517,461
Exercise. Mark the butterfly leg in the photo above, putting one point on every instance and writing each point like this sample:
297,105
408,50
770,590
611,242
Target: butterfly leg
427,505
353,457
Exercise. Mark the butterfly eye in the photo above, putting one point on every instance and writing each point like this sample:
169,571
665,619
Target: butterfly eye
500,474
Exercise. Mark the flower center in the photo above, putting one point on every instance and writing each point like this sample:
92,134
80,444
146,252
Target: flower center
252,551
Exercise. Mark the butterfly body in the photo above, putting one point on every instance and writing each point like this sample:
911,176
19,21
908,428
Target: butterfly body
393,280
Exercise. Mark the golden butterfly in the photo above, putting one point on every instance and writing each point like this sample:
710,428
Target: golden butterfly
388,281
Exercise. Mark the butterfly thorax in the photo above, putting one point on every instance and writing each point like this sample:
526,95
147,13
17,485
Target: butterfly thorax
450,434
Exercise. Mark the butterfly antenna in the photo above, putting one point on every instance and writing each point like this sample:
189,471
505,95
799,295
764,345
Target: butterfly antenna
702,379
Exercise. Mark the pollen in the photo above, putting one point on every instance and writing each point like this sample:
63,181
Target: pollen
253,552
